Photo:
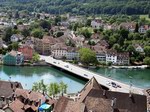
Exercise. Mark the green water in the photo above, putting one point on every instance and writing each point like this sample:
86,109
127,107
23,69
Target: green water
28,75
138,77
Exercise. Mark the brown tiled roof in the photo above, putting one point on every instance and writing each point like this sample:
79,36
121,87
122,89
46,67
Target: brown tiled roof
65,104
92,84
98,104
31,95
61,104
7,88
99,49
124,102
15,106
59,46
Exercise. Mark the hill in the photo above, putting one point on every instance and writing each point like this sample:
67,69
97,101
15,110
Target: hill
80,6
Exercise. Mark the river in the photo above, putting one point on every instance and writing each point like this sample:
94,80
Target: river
28,75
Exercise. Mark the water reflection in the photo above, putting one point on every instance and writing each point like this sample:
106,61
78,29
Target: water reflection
28,75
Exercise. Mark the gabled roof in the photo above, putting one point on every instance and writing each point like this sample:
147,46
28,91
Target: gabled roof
15,106
7,88
91,84
27,94
65,104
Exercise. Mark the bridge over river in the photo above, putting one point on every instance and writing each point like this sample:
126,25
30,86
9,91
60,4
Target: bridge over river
84,73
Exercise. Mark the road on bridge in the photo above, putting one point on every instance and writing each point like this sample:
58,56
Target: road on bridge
113,85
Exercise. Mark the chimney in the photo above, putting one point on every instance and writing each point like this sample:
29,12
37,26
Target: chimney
104,92
29,92
113,103
11,85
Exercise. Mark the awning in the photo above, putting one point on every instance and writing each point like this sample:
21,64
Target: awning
44,106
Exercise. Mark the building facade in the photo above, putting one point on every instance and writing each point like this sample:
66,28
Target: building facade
27,51
13,58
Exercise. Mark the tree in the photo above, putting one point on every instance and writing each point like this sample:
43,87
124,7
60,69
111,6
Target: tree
116,47
15,45
88,22
35,57
124,33
39,86
147,60
57,20
53,89
87,56
137,28
38,33
8,33
45,24
148,33
25,32
147,50
85,32
63,87
59,34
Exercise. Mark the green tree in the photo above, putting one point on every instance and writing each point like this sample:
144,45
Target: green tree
148,33
8,33
63,87
53,89
147,50
57,20
88,22
147,60
38,33
117,47
15,45
137,28
87,56
45,24
85,32
25,32
35,57
39,86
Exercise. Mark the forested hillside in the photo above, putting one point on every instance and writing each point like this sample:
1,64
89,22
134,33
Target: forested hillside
80,6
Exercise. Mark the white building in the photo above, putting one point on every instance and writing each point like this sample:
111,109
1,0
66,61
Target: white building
16,37
60,51
139,48
97,23
117,58
72,54
144,29
111,57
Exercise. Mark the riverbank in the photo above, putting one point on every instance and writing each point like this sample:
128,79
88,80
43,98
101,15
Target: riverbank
130,67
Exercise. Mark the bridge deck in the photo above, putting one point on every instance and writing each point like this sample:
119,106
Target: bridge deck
89,74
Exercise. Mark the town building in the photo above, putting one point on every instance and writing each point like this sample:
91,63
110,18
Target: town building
97,23
59,50
144,28
130,26
117,58
16,37
27,101
100,52
72,53
7,89
94,98
13,58
27,51
139,48
43,46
